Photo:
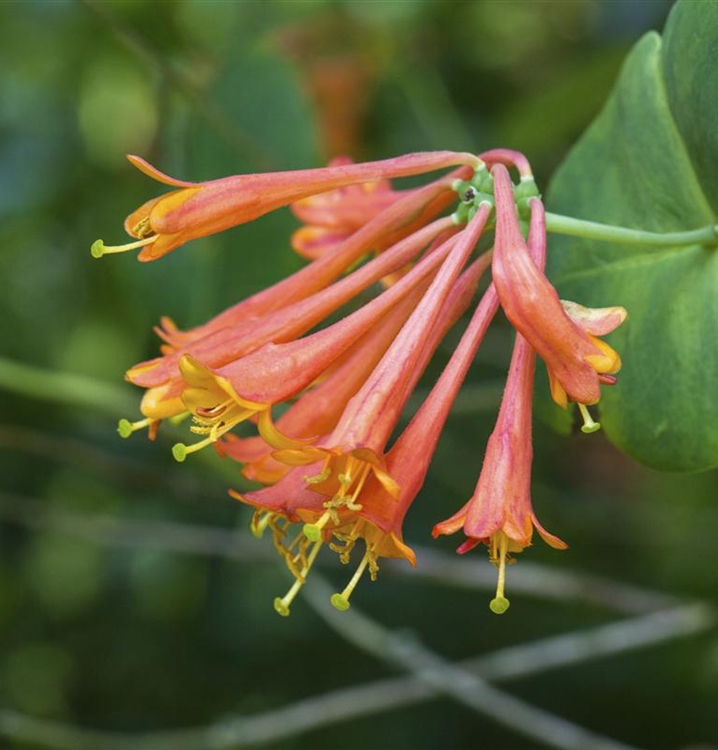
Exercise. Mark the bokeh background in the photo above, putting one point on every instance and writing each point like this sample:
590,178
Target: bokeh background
131,597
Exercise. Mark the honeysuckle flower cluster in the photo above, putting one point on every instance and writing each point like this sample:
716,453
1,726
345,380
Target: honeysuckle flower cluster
323,393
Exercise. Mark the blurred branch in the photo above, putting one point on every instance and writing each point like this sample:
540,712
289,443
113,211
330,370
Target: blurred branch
404,650
248,147
122,469
376,697
441,568
552,583
64,388
431,676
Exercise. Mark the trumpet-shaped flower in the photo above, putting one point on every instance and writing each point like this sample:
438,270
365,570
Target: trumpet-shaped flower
383,230
218,397
333,476
227,344
500,514
364,495
576,359
199,209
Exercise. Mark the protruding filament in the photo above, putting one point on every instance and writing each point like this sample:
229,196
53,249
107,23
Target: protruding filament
313,531
588,425
281,604
499,604
351,481
126,428
98,248
258,524
341,601
214,423
180,450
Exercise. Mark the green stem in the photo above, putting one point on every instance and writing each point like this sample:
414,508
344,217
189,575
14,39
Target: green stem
64,388
594,231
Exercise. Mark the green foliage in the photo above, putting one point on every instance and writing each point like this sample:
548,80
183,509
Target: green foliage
648,161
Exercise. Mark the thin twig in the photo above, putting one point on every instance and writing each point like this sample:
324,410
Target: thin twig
372,698
64,388
466,688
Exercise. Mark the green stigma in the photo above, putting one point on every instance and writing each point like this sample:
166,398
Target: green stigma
280,607
179,451
97,249
498,605
588,425
124,427
340,602
312,531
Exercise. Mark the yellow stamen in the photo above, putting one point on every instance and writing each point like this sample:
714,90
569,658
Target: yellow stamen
588,425
98,248
214,423
258,524
341,601
126,428
499,604
281,604
354,476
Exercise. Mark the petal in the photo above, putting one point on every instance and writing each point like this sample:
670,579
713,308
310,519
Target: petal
146,168
595,320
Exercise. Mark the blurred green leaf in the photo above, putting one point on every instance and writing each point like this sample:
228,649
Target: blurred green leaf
648,162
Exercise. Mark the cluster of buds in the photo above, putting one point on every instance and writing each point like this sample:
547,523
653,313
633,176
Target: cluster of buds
333,468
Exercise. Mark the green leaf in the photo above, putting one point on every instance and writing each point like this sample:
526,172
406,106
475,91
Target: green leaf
649,162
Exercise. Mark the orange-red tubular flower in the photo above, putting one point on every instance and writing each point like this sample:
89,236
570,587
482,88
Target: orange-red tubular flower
220,398
355,448
219,348
223,343
367,510
316,412
330,218
408,459
500,514
199,209
575,359
406,215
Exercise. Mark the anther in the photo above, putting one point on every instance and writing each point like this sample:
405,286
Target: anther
98,248
317,478
588,425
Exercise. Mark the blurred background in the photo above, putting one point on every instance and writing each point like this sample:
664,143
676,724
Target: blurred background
132,600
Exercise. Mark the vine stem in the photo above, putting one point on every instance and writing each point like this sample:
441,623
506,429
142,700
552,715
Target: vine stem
593,230
64,388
